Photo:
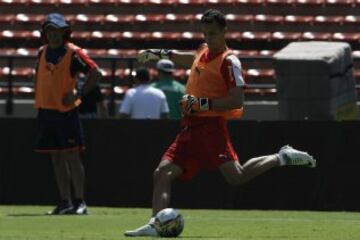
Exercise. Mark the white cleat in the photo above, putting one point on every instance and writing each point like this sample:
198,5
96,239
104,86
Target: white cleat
146,230
292,157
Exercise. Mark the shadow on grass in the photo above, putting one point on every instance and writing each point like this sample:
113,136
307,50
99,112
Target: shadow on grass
28,215
200,237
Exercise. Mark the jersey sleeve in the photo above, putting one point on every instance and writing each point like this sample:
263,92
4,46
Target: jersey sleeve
232,72
81,63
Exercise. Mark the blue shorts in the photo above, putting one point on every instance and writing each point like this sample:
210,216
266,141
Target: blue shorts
59,131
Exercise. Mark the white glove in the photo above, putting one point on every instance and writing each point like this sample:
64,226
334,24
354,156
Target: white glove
153,54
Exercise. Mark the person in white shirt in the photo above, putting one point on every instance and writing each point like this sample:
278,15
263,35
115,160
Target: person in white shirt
144,101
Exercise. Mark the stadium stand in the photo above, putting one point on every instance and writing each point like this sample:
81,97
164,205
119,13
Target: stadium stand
112,29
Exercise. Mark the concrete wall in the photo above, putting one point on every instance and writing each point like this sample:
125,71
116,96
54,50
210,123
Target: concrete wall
121,156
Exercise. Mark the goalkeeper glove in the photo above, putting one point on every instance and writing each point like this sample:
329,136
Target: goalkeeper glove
190,104
153,54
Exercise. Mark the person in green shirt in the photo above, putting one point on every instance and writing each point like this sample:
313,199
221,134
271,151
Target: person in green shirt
173,89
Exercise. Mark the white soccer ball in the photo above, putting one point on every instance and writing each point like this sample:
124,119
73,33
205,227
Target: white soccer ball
169,223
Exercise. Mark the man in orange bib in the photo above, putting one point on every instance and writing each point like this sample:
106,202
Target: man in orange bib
60,131
214,93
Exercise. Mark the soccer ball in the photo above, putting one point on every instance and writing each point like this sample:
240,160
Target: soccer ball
169,223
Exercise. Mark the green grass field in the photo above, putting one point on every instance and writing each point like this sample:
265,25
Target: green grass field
29,222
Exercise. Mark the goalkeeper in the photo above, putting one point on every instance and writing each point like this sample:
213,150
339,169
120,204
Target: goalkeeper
214,93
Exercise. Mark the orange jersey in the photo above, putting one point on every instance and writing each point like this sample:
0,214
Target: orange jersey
206,80
53,81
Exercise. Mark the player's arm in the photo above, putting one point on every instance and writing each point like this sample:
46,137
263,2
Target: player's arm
181,58
81,63
233,100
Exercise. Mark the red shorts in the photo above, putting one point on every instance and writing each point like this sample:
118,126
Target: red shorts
203,143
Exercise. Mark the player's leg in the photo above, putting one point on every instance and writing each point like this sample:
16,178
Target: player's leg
78,180
164,175
62,176
236,174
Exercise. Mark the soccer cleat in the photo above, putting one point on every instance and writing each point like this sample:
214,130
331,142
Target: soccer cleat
292,157
146,230
61,209
80,208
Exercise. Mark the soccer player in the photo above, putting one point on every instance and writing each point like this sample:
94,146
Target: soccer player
60,133
214,93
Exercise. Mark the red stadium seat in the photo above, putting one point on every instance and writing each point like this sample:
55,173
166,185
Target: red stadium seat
7,34
33,18
233,36
149,18
310,2
166,35
84,18
256,35
19,51
250,2
128,19
237,18
352,19
298,19
18,71
122,52
316,36
286,3
73,2
96,52
180,17
161,2
267,52
192,35
7,51
260,74
13,2
7,18
81,35
328,20
272,19
246,53
104,2
356,54
44,2
192,2
336,3
346,36
292,36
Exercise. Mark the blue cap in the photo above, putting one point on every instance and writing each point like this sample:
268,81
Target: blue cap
56,20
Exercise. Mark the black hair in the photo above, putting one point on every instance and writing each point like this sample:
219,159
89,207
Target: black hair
213,15
143,75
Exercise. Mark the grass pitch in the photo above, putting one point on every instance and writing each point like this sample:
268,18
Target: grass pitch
30,223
